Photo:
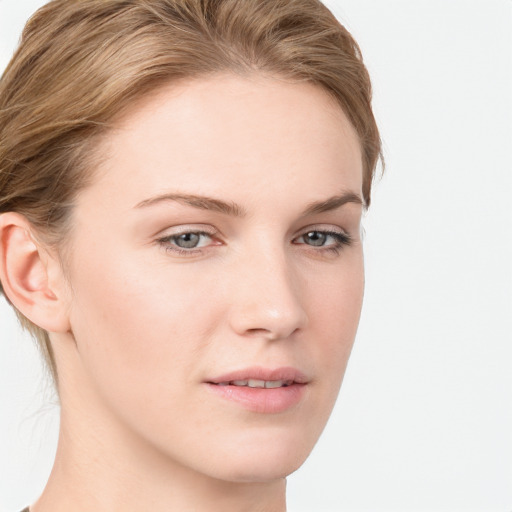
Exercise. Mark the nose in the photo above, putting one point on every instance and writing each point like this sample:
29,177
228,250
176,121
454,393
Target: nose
267,301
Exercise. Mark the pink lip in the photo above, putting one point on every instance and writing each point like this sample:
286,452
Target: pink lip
260,373
261,400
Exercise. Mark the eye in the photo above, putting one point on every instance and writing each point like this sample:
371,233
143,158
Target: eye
325,239
189,240
186,242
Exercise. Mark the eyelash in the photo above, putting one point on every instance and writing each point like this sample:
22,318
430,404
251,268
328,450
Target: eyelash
341,240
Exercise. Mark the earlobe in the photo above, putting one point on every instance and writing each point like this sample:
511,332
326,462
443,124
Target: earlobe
24,275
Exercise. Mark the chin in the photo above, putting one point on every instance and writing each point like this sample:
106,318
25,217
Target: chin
260,471
263,457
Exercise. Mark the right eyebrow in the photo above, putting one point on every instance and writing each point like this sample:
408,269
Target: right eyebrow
196,201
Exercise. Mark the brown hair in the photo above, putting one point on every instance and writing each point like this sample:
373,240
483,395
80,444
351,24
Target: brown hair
81,63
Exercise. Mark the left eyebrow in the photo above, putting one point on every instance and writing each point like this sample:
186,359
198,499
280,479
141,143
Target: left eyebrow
333,203
200,202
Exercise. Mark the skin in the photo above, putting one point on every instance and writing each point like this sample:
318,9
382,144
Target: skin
143,326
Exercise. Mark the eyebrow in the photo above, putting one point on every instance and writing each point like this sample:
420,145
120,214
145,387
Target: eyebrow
201,202
235,210
333,203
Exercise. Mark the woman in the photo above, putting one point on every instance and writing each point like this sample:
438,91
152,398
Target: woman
181,189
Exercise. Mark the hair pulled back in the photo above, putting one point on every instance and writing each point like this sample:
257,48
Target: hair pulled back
82,63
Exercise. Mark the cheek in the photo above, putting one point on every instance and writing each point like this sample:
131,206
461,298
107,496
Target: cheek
141,316
336,298
140,331
335,309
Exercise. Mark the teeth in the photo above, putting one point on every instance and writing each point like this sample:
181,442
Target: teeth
254,383
274,383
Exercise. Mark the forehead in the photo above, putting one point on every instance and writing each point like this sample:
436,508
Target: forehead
212,134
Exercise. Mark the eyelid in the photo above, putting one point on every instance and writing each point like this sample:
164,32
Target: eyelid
187,228
324,228
341,239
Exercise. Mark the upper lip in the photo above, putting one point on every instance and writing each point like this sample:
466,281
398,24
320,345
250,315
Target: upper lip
286,373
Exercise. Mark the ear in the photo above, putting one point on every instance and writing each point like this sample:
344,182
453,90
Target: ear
25,267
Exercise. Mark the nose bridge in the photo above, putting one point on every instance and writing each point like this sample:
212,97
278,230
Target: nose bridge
268,301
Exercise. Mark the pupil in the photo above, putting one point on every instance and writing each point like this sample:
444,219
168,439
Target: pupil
187,240
316,238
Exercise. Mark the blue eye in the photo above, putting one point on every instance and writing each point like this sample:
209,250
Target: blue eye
191,242
329,239
316,238
186,241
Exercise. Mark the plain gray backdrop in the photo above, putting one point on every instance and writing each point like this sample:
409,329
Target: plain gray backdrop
424,419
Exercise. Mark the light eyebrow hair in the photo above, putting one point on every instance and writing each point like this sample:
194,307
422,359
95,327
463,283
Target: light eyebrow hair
235,210
201,202
333,203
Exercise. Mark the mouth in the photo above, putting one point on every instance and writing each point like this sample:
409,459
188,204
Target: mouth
255,383
261,390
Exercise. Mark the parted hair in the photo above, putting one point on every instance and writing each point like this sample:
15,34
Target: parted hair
83,63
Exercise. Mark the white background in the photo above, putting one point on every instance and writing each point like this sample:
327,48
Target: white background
424,420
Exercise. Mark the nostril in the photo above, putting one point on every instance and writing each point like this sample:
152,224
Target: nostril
270,334
259,332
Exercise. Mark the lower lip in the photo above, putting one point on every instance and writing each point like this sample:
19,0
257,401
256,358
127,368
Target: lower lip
262,400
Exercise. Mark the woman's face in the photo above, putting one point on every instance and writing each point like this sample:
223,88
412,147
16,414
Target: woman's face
220,242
